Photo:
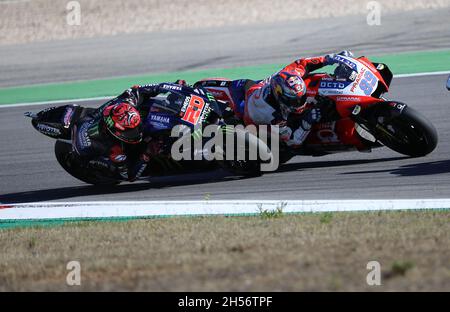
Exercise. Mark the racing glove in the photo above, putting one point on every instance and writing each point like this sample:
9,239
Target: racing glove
181,82
137,170
155,146
346,53
297,137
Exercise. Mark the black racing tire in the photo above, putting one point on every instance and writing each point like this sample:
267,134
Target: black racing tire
247,167
63,152
410,133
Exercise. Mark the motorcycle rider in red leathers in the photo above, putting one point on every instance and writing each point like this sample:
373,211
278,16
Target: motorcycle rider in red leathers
271,101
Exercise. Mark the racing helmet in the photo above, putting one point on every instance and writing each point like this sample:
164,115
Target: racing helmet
123,121
288,89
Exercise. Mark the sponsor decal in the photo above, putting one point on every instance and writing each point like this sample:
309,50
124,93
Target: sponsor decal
160,118
146,86
194,110
45,129
401,107
326,134
99,164
141,170
109,121
93,130
218,93
120,158
160,121
210,97
368,83
47,109
358,80
83,136
332,85
186,102
380,66
296,84
325,125
347,62
398,106
172,87
330,92
348,99
206,111
356,110
68,116
199,91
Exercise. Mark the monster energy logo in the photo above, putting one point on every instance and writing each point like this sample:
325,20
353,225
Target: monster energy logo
210,97
109,122
93,130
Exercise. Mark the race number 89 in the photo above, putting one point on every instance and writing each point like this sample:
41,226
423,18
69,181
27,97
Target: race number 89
368,83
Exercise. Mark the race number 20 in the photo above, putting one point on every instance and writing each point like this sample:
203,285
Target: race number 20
194,110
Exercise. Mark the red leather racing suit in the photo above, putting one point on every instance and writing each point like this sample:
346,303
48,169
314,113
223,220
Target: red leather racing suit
261,107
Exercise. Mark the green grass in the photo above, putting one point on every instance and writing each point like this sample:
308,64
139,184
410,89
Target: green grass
326,217
401,267
271,214
257,253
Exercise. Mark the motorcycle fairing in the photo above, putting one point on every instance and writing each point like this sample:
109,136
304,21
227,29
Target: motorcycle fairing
188,106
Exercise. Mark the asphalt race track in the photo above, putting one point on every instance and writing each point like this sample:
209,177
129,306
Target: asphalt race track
29,171
225,47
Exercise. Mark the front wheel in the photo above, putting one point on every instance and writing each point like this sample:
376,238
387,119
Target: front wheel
63,152
408,133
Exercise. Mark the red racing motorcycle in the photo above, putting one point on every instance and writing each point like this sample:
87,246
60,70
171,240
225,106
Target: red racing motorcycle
358,117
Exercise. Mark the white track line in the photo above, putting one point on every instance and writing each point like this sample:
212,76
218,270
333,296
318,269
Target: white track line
103,98
423,74
81,210
110,97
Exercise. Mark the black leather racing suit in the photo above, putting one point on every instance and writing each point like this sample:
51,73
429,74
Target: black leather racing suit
100,150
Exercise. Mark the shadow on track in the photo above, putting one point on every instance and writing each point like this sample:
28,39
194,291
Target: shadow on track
216,176
329,164
92,190
419,169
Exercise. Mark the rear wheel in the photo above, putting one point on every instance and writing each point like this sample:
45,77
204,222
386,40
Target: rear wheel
63,152
409,133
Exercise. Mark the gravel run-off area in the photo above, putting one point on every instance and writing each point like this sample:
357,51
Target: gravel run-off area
24,21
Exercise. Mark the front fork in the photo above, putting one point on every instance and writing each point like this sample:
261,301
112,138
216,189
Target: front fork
368,119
